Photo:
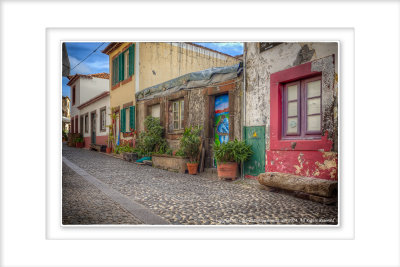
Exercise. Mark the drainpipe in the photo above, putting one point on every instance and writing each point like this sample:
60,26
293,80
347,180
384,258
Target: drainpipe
244,101
137,70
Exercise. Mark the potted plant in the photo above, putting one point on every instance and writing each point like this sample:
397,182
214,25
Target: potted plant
79,142
228,155
110,139
190,146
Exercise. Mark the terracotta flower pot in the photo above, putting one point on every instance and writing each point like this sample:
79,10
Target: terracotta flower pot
227,170
79,144
192,167
108,150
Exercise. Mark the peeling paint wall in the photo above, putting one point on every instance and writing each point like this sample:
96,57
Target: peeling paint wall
259,67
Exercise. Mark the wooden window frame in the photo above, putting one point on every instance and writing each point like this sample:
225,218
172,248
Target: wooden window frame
302,132
181,114
103,129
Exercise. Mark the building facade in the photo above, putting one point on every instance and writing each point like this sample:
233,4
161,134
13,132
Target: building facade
83,89
136,66
210,99
66,113
95,118
291,108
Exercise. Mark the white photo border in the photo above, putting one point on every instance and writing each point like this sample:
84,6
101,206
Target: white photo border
55,37
24,235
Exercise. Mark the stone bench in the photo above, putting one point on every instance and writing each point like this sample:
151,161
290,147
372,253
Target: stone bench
320,190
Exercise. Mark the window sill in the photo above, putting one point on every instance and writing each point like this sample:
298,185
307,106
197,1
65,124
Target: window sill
177,132
320,144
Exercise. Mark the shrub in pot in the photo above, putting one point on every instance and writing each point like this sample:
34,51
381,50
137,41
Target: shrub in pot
79,142
151,140
228,155
190,146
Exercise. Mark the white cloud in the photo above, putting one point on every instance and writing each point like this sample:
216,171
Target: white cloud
98,65
82,68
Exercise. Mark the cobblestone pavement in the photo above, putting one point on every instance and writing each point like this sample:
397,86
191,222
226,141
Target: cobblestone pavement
83,203
188,199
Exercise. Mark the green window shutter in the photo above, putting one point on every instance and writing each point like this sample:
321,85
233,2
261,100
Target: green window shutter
123,121
122,66
113,72
131,59
132,117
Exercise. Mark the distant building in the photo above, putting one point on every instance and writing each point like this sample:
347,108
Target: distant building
66,114
95,115
136,66
89,93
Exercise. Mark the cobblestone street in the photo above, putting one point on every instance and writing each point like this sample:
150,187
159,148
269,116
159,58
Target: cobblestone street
178,199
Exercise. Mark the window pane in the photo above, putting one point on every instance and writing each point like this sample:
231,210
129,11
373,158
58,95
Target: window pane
127,120
126,70
292,92
313,106
291,125
176,116
314,88
182,116
314,123
292,109
175,106
175,124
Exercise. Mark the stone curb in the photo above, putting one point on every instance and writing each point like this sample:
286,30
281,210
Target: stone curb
140,212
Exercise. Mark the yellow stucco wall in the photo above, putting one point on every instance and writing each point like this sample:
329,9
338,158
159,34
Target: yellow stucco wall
125,92
160,62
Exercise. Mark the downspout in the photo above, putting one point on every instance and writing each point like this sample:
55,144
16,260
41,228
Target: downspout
244,102
137,70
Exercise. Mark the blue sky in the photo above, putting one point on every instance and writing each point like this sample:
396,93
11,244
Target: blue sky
98,62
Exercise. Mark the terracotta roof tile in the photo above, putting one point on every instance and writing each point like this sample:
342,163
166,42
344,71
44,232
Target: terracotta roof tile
73,78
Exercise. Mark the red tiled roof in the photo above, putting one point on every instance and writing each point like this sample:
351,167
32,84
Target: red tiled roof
111,47
73,78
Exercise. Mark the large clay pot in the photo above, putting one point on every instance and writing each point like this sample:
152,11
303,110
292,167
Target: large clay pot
79,144
108,150
227,170
192,167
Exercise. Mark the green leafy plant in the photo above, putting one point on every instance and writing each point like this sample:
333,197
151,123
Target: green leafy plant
119,149
151,140
65,134
79,139
180,153
232,151
190,143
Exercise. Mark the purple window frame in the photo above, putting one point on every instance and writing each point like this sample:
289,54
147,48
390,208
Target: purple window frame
302,98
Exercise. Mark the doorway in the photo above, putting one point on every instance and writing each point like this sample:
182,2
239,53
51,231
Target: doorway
221,120
93,127
255,136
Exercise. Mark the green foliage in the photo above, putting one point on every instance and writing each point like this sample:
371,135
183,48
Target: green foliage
65,134
190,143
123,149
169,152
79,139
152,139
180,153
232,151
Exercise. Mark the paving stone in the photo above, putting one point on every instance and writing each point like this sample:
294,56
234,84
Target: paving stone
194,199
